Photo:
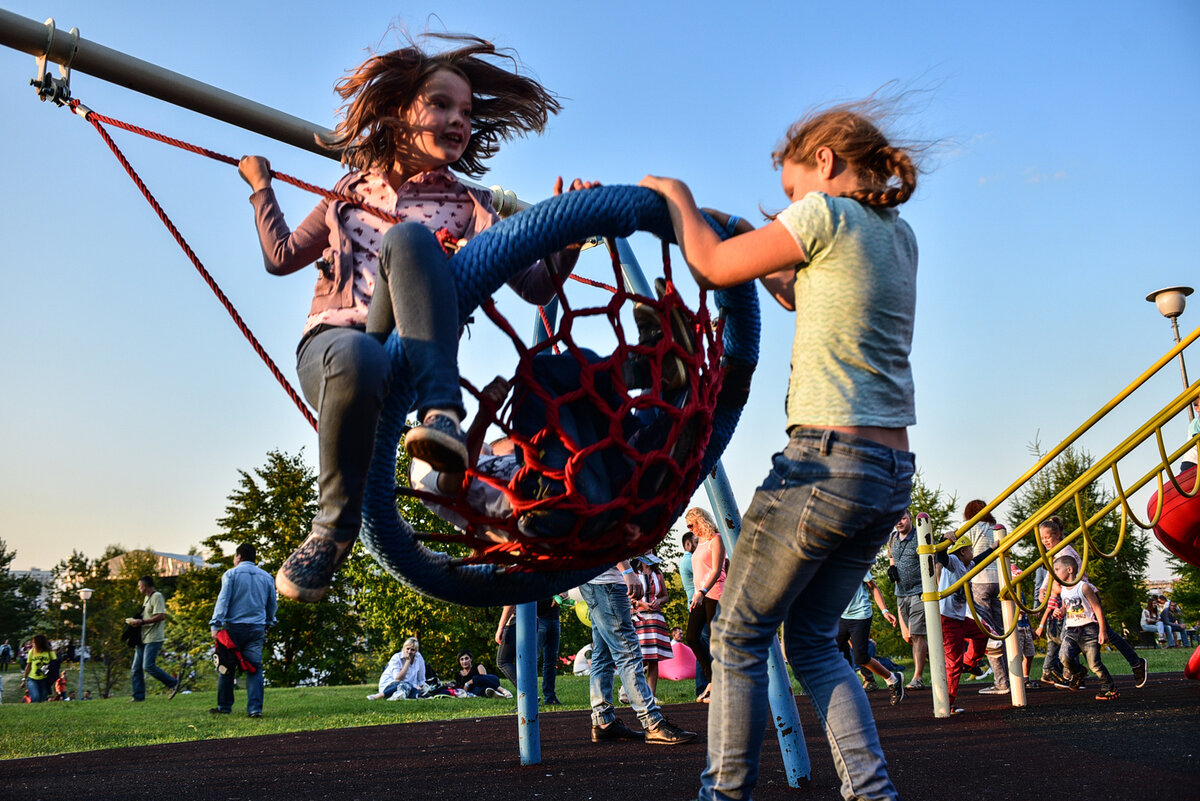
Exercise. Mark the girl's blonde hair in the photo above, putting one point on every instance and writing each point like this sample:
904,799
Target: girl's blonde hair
411,641
698,515
852,131
503,103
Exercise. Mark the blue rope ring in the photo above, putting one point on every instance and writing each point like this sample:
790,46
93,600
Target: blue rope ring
480,269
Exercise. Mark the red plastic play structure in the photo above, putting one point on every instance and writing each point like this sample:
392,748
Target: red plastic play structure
1179,531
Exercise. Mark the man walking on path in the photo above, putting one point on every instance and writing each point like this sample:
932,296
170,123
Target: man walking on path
245,610
154,633
615,645
905,572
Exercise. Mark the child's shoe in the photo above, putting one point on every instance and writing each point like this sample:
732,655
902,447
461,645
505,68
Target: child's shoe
1074,680
1139,674
993,690
1108,695
1054,679
897,687
439,441
306,574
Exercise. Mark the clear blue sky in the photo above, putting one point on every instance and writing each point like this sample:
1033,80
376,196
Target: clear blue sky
1065,190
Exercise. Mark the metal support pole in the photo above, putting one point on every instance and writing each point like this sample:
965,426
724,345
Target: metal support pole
933,617
528,731
82,652
779,690
1012,649
527,696
33,37
1182,365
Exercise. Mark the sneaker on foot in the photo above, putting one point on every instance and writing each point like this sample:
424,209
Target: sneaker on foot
439,441
615,731
306,574
993,690
490,692
667,734
1074,680
1030,684
1107,695
1139,674
552,700
915,684
218,711
897,688
870,686
1054,679
174,688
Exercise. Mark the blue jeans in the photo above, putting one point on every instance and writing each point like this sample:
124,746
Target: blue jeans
812,530
144,656
1086,639
615,646
401,688
548,630
249,640
415,295
345,373
39,690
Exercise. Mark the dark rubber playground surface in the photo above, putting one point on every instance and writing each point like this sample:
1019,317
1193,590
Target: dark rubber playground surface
1143,746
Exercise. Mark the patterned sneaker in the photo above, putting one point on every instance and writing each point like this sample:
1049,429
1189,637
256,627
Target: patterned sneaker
1107,695
897,687
1053,678
306,574
1139,674
1074,680
440,442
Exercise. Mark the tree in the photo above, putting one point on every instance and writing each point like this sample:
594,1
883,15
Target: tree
272,509
18,600
1119,580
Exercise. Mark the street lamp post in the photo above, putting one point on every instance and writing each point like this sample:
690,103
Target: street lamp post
84,595
1171,302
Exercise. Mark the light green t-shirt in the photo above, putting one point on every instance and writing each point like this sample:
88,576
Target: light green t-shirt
154,605
855,301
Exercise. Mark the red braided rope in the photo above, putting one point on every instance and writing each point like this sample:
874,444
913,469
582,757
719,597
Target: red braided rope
94,119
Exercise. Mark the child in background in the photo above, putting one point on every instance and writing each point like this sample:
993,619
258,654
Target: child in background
1085,629
410,117
842,258
854,636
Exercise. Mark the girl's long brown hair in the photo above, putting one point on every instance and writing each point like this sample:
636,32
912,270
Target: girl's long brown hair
504,104
852,131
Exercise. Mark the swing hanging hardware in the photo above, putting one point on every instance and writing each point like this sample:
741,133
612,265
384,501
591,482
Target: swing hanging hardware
57,90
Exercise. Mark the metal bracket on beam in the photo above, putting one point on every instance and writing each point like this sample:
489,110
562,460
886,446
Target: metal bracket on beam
48,87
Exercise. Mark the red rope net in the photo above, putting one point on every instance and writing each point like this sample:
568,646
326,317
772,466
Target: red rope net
602,467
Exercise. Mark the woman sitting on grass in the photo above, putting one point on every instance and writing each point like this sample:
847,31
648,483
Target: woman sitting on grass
476,680
404,675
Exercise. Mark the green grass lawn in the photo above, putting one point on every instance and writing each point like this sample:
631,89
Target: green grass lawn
56,728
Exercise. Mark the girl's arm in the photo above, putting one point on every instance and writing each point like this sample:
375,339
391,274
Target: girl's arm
882,604
505,614
284,251
780,285
716,264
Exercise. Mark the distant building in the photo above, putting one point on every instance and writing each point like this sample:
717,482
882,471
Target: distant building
166,564
1161,587
43,577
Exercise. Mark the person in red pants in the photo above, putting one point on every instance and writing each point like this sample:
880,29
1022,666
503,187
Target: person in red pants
964,642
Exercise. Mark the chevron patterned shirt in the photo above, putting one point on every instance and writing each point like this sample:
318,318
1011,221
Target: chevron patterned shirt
855,302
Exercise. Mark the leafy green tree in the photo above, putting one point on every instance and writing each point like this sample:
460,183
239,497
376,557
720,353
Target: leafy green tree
272,509
18,600
1119,580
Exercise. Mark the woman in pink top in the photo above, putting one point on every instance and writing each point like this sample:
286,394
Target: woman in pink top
410,117
708,567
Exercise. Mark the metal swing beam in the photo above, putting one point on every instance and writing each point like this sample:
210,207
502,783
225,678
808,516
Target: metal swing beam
71,52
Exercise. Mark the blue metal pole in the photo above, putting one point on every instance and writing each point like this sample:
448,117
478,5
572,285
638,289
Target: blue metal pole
527,696
528,731
779,690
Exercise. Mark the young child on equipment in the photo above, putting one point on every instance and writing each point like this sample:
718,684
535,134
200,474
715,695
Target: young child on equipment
844,260
1085,630
410,117
964,642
